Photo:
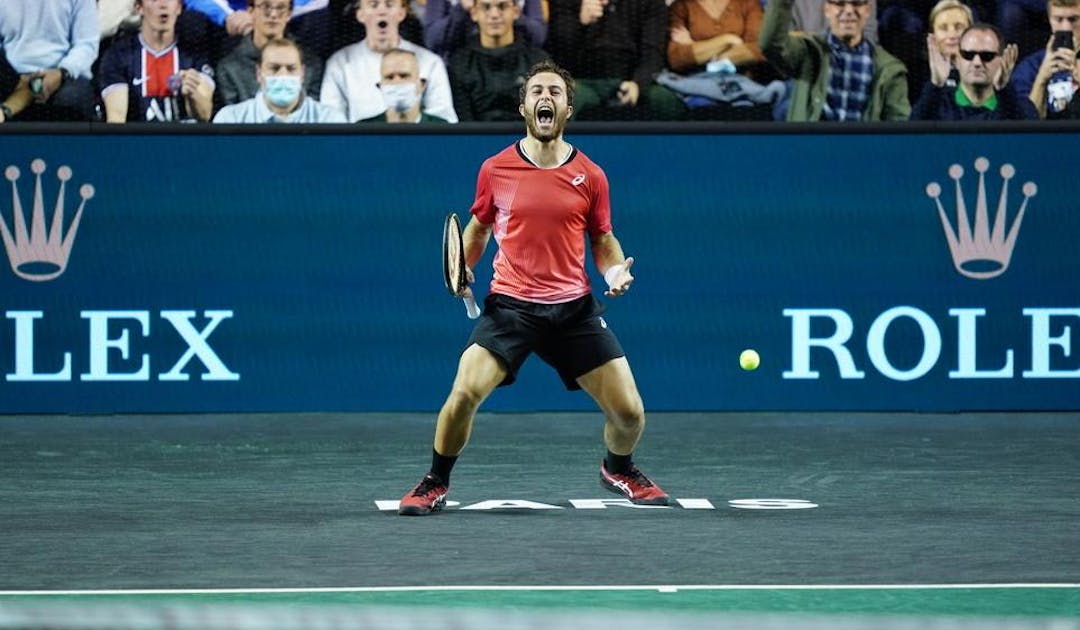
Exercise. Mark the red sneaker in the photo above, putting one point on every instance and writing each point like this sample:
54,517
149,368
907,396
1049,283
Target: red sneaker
428,496
634,485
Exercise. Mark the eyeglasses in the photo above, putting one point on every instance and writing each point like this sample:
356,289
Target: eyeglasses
986,55
269,10
854,4
498,6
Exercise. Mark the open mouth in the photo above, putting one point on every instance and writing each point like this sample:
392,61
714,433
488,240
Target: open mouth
545,114
382,24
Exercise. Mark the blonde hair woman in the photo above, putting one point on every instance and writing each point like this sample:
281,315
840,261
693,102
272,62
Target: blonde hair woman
948,20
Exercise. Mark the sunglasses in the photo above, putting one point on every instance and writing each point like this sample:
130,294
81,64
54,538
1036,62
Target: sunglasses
986,55
854,4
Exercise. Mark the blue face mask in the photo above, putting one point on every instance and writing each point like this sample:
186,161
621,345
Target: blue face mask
282,90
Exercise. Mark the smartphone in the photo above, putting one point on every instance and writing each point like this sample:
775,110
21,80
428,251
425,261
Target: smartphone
1063,39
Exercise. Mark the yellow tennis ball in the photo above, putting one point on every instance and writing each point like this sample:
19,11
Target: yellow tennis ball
749,360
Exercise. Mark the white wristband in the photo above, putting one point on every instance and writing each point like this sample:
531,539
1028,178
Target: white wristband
612,272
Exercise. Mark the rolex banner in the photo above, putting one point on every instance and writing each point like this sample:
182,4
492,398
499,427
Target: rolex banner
211,272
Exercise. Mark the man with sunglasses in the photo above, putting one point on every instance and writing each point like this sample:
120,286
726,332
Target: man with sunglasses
983,92
839,75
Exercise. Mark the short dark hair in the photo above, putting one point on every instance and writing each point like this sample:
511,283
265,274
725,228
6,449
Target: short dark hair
986,28
548,65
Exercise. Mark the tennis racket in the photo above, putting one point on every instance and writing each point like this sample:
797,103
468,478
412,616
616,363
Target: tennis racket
453,255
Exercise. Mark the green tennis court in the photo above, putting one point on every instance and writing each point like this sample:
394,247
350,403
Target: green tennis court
867,519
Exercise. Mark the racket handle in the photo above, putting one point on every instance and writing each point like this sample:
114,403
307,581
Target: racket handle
470,307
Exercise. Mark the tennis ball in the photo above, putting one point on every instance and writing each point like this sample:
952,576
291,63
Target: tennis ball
749,360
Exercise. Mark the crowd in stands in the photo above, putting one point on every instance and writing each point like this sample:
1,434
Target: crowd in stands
445,61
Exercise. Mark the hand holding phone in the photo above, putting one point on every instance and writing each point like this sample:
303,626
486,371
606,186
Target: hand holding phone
1063,39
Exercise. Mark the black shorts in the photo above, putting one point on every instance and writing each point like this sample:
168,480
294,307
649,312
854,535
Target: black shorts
570,337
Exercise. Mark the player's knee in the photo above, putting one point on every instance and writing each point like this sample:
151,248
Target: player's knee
464,400
629,416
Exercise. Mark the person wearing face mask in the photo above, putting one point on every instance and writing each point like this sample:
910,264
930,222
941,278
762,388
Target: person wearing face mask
402,90
235,73
281,97
352,77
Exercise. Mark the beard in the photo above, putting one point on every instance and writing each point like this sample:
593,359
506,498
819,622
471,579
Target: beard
552,132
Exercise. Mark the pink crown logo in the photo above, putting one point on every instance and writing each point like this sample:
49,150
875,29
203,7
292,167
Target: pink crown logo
40,253
981,251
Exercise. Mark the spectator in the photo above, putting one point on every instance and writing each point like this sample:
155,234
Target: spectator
280,97
53,44
485,74
1053,64
449,25
840,75
346,30
948,21
236,79
808,16
614,49
352,73
402,90
983,92
702,31
213,27
147,77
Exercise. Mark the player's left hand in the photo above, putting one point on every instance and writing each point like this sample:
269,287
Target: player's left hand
619,279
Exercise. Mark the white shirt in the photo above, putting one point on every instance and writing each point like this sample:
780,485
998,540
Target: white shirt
352,74
255,110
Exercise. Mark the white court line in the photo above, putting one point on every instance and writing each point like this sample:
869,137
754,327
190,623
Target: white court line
663,588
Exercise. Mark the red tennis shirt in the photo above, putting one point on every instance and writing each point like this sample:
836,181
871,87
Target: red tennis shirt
541,217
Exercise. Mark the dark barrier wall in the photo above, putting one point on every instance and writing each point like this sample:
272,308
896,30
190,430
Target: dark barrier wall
301,272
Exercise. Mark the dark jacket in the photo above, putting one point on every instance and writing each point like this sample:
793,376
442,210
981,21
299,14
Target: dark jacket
485,81
939,103
628,43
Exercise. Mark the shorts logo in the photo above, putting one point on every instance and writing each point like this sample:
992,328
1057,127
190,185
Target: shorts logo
41,252
578,180
981,251
603,324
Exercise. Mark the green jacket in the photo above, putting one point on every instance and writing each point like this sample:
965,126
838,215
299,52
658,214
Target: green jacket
804,57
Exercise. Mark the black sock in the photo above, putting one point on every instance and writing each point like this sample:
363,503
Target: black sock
441,465
618,463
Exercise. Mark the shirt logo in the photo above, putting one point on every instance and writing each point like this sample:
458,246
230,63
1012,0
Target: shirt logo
578,180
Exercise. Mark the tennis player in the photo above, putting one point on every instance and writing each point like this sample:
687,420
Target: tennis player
541,198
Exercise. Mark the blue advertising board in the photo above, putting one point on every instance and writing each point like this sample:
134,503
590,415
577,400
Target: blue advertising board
276,272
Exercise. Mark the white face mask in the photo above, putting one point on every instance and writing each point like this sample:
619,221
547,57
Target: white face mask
400,97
